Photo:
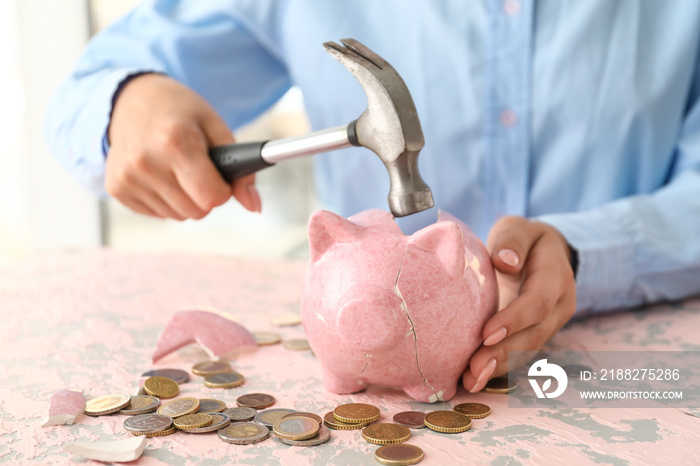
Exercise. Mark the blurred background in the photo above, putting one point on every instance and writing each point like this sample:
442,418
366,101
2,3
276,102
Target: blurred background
42,209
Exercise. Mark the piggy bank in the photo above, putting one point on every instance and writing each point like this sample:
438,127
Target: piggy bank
380,307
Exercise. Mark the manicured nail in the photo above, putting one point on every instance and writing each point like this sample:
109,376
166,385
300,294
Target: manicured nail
509,256
486,372
496,337
254,198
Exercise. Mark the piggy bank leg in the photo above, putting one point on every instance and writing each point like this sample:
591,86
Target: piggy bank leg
336,384
438,390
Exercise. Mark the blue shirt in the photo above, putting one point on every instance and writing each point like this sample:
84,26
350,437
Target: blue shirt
583,114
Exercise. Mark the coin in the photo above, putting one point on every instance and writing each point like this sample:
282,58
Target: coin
412,419
313,416
219,421
266,338
322,437
161,433
179,376
574,370
240,413
256,400
399,454
386,433
287,319
211,367
296,428
179,407
449,422
107,404
243,433
147,423
473,410
224,380
208,405
270,416
330,421
355,413
162,387
193,421
500,385
141,405
298,344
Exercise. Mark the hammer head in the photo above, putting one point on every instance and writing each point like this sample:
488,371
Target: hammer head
390,126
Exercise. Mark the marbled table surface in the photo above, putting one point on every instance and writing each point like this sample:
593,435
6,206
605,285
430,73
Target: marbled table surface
90,320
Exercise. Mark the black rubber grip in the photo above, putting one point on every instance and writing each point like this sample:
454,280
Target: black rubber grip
237,160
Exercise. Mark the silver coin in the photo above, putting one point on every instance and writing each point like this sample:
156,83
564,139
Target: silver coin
220,421
268,417
179,376
324,434
148,423
244,433
207,405
141,405
240,413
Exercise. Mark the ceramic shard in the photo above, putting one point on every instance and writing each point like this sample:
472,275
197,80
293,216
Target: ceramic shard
119,451
64,407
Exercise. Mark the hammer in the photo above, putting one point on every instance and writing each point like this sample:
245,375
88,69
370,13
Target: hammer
389,127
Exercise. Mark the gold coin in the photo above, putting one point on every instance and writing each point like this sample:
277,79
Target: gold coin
266,338
162,387
193,421
211,367
330,421
298,344
256,400
224,380
386,433
287,319
107,404
208,405
296,428
399,454
500,385
313,416
473,410
448,422
355,413
179,407
161,433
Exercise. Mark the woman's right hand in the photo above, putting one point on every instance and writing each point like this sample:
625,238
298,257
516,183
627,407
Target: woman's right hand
158,163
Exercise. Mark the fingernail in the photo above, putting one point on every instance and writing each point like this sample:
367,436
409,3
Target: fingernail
254,198
486,372
509,256
496,337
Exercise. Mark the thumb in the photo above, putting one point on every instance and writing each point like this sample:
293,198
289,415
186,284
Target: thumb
509,242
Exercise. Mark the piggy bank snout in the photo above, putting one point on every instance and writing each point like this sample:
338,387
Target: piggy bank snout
372,322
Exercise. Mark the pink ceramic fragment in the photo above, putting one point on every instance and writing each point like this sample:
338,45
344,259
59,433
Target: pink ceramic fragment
382,307
64,407
214,331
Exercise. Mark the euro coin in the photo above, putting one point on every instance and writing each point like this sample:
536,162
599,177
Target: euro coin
266,338
399,454
211,367
296,428
207,405
270,416
140,405
500,385
330,421
162,387
193,421
161,433
411,419
224,380
386,433
107,404
287,319
473,410
179,407
298,344
147,423
244,433
256,400
448,422
179,376
356,413
219,421
240,413
322,437
313,416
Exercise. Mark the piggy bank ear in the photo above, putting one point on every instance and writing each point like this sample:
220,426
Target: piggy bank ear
327,229
445,240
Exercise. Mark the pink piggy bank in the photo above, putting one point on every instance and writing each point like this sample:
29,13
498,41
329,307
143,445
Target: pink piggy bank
382,307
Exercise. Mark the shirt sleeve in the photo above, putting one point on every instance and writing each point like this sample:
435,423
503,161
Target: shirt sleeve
208,46
644,248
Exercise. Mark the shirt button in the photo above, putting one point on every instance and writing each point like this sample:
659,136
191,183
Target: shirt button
511,7
508,117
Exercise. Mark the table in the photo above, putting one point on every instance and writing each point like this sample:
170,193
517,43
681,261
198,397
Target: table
90,320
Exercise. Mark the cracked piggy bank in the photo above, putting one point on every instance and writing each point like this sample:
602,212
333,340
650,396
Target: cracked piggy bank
380,307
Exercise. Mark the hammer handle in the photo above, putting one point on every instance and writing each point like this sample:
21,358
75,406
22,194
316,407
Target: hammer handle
237,160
